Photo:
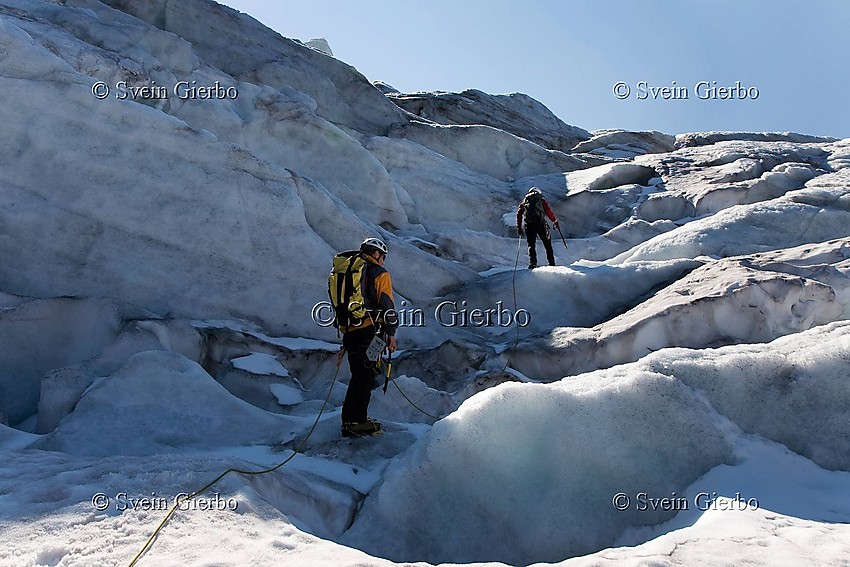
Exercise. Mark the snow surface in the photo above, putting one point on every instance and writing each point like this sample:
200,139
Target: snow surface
516,113
164,270
286,395
260,363
543,486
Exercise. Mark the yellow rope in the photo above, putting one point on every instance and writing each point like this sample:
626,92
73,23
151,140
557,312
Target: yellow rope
179,501
516,341
411,401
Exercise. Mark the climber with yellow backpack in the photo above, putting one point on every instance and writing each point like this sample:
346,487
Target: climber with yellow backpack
361,293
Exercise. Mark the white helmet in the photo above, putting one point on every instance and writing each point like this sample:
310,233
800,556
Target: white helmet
535,190
374,244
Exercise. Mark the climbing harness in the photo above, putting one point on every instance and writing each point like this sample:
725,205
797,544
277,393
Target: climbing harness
375,348
299,449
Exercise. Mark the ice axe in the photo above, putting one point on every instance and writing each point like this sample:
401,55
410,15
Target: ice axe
389,369
564,240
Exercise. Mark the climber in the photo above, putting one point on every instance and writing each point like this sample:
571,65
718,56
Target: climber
361,292
536,210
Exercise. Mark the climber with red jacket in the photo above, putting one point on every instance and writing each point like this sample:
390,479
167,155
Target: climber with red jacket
536,209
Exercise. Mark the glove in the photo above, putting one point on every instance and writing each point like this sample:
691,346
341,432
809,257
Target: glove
556,224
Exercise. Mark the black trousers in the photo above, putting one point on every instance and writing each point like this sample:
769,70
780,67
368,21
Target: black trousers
532,233
363,373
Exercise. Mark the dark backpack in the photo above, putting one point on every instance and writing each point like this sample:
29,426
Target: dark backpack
533,206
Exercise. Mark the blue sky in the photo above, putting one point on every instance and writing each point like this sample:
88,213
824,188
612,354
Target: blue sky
570,54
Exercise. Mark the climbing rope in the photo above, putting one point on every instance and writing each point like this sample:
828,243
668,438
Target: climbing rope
388,364
149,543
411,401
513,285
507,363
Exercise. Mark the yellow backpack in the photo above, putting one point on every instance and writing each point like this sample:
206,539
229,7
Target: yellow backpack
345,289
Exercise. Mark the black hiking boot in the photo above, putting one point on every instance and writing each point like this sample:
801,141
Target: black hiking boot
361,429
532,266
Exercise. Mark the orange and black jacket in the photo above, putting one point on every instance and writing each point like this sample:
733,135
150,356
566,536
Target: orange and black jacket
378,293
